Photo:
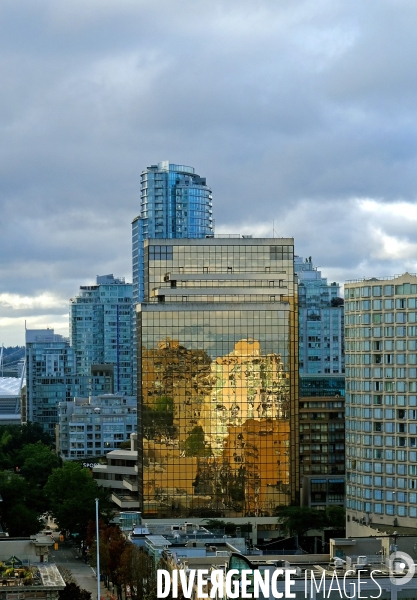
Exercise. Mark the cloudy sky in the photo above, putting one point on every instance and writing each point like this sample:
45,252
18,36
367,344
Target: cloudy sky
301,114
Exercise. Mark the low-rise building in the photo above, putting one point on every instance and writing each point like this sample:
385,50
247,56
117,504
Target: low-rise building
120,475
94,426
29,550
321,491
299,577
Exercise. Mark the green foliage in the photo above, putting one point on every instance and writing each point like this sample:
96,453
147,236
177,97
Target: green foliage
13,438
18,509
37,462
228,526
71,492
72,592
336,517
164,403
157,423
194,445
297,520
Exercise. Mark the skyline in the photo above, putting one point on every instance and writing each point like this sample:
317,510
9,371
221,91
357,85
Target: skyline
303,113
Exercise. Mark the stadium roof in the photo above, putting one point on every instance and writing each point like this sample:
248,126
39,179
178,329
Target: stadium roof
10,386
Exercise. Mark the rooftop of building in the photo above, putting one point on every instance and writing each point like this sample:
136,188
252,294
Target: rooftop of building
14,574
11,386
372,280
47,335
109,279
221,240
165,165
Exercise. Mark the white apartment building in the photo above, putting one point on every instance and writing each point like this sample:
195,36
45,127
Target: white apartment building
94,426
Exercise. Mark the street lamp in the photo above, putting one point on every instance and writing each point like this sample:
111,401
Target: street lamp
98,552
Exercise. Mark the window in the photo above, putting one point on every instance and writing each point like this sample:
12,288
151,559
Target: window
160,252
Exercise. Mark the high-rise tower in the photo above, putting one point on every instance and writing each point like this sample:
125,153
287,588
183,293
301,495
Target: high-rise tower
175,203
218,392
100,329
381,403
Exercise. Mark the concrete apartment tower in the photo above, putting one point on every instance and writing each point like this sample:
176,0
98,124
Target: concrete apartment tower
218,394
381,403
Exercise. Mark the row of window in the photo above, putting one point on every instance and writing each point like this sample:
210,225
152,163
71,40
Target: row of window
380,468
378,318
380,454
378,290
379,440
378,508
366,305
388,495
381,386
387,413
388,373
379,399
367,332
378,481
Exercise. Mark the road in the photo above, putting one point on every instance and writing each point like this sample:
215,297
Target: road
83,574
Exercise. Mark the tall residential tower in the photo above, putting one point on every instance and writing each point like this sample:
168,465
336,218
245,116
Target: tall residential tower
175,203
100,329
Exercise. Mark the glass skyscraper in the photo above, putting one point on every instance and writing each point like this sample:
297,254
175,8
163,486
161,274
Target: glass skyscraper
381,402
101,329
321,322
218,378
175,203
322,386
51,378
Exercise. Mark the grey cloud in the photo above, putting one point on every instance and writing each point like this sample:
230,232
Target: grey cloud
292,111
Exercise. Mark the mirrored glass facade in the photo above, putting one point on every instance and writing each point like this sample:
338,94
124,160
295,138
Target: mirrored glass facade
218,371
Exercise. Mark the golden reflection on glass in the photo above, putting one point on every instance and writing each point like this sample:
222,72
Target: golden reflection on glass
216,432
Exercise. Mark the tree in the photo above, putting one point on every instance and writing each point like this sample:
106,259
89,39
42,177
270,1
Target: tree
164,404
336,517
14,437
194,445
297,520
72,592
37,461
71,492
17,513
137,569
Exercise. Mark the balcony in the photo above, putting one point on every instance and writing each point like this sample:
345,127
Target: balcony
131,483
125,501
